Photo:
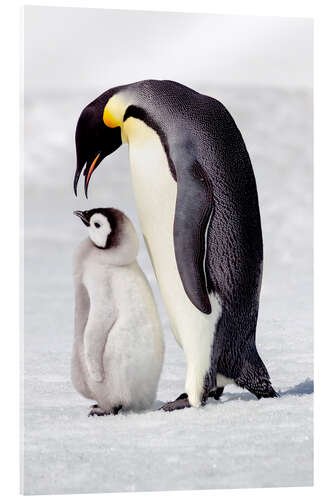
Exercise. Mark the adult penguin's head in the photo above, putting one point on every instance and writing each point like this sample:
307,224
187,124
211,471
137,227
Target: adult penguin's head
94,139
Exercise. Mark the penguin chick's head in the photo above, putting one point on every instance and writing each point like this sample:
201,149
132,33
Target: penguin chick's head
110,228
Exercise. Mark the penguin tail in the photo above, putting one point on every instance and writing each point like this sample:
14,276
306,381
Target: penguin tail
255,378
265,390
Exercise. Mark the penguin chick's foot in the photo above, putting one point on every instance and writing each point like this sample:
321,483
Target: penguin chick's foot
96,410
179,403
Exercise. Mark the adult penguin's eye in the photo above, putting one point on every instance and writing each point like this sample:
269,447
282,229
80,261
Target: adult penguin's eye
96,224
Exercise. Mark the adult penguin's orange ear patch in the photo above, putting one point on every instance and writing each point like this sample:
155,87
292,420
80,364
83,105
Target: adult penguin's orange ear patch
112,113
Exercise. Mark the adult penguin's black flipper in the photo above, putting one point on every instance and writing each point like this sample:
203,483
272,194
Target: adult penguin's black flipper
193,211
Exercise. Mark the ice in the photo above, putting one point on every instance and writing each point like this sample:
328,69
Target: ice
237,442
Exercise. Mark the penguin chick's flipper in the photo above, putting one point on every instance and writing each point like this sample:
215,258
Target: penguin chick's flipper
96,410
96,332
193,210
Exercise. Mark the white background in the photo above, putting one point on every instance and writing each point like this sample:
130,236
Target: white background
230,50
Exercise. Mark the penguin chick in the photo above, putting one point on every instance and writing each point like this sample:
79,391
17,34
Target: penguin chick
118,344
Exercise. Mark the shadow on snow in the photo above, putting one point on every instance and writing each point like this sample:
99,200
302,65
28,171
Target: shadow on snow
306,387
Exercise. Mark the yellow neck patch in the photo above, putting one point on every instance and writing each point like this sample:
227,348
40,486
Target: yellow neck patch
109,119
114,112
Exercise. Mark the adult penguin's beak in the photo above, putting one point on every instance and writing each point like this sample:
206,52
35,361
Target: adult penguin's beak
88,172
83,216
90,167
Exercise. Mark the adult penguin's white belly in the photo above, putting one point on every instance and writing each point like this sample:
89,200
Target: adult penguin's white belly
155,193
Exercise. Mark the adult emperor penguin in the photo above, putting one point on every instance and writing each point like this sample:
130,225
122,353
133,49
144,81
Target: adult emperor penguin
118,343
198,208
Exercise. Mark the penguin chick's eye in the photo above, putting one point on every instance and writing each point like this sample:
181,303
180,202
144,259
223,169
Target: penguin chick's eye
96,224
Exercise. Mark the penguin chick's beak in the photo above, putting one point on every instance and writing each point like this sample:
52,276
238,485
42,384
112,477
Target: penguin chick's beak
82,216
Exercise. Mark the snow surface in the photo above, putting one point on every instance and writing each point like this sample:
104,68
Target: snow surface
237,442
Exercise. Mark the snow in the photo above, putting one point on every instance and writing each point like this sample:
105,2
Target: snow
237,442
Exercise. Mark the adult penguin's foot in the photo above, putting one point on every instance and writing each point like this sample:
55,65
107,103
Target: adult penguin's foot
98,412
178,404
216,393
183,402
